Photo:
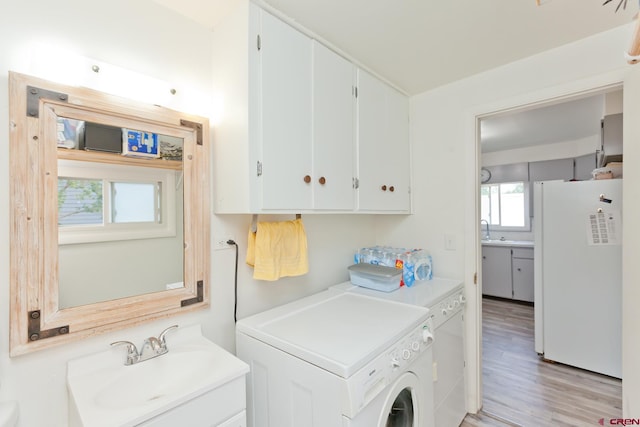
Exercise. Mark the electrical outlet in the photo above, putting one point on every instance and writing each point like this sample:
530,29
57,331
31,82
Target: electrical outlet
221,243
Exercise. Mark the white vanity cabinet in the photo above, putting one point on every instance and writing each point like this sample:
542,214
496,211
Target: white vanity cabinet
383,147
222,407
239,420
285,135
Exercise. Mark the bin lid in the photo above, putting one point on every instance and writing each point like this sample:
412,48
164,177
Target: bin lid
375,270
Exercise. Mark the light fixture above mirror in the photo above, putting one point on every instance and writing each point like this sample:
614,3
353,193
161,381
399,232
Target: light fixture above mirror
44,165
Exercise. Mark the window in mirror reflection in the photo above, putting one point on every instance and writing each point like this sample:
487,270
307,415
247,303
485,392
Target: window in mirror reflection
135,202
100,202
79,201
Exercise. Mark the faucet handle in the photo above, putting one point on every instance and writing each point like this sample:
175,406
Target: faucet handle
161,338
132,351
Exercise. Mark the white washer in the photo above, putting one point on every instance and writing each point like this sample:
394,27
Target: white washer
338,359
445,299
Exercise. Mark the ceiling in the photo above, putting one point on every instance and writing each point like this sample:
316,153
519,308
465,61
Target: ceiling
568,121
421,44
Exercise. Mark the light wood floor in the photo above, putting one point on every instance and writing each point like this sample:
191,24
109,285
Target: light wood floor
522,390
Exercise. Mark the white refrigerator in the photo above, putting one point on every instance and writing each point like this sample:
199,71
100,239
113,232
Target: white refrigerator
578,273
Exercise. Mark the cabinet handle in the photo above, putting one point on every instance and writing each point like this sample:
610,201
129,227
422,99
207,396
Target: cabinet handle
391,188
383,188
307,179
484,257
322,180
519,269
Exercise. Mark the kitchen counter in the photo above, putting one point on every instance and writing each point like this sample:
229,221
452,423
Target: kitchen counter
508,243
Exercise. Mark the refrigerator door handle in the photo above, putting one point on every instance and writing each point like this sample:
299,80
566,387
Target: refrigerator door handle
603,199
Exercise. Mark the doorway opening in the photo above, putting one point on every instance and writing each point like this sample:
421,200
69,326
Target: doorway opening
560,139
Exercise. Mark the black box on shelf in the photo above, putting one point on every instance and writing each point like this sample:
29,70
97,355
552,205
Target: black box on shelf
99,137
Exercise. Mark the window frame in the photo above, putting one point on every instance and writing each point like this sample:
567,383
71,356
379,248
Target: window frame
527,207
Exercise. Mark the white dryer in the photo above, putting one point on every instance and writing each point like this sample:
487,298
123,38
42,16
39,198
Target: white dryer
338,359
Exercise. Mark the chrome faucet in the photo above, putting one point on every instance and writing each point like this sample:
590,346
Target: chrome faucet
132,352
487,235
153,344
152,347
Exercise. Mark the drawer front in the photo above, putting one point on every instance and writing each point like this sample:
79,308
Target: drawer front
526,253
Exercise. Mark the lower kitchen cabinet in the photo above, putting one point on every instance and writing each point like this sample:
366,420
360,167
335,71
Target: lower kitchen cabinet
522,274
507,272
496,271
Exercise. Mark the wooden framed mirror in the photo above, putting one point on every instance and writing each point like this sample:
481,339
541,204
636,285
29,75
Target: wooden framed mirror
109,213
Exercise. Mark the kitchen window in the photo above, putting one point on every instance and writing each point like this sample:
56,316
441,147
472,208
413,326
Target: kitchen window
98,203
505,206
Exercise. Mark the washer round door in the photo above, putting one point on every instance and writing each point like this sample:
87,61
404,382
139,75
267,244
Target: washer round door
402,406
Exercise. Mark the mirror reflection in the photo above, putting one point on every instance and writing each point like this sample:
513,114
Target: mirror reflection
120,225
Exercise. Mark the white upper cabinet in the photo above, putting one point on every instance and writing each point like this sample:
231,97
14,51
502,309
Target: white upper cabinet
285,125
285,71
333,130
383,147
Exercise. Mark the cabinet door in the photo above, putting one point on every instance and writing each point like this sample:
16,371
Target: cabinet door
333,130
496,272
584,166
383,147
551,169
523,279
285,67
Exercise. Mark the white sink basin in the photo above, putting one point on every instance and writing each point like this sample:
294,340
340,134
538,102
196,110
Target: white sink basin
160,378
105,392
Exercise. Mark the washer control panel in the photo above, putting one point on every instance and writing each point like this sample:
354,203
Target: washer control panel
365,384
411,346
450,305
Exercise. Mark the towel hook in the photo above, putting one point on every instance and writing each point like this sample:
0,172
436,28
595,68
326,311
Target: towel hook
254,222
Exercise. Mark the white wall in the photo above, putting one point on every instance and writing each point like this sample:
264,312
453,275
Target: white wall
446,184
117,269
141,36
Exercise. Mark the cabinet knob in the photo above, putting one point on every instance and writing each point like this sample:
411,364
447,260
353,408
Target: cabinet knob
484,257
383,188
307,179
322,180
519,269
391,188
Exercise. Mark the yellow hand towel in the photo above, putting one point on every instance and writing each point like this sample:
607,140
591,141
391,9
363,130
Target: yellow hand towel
278,249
